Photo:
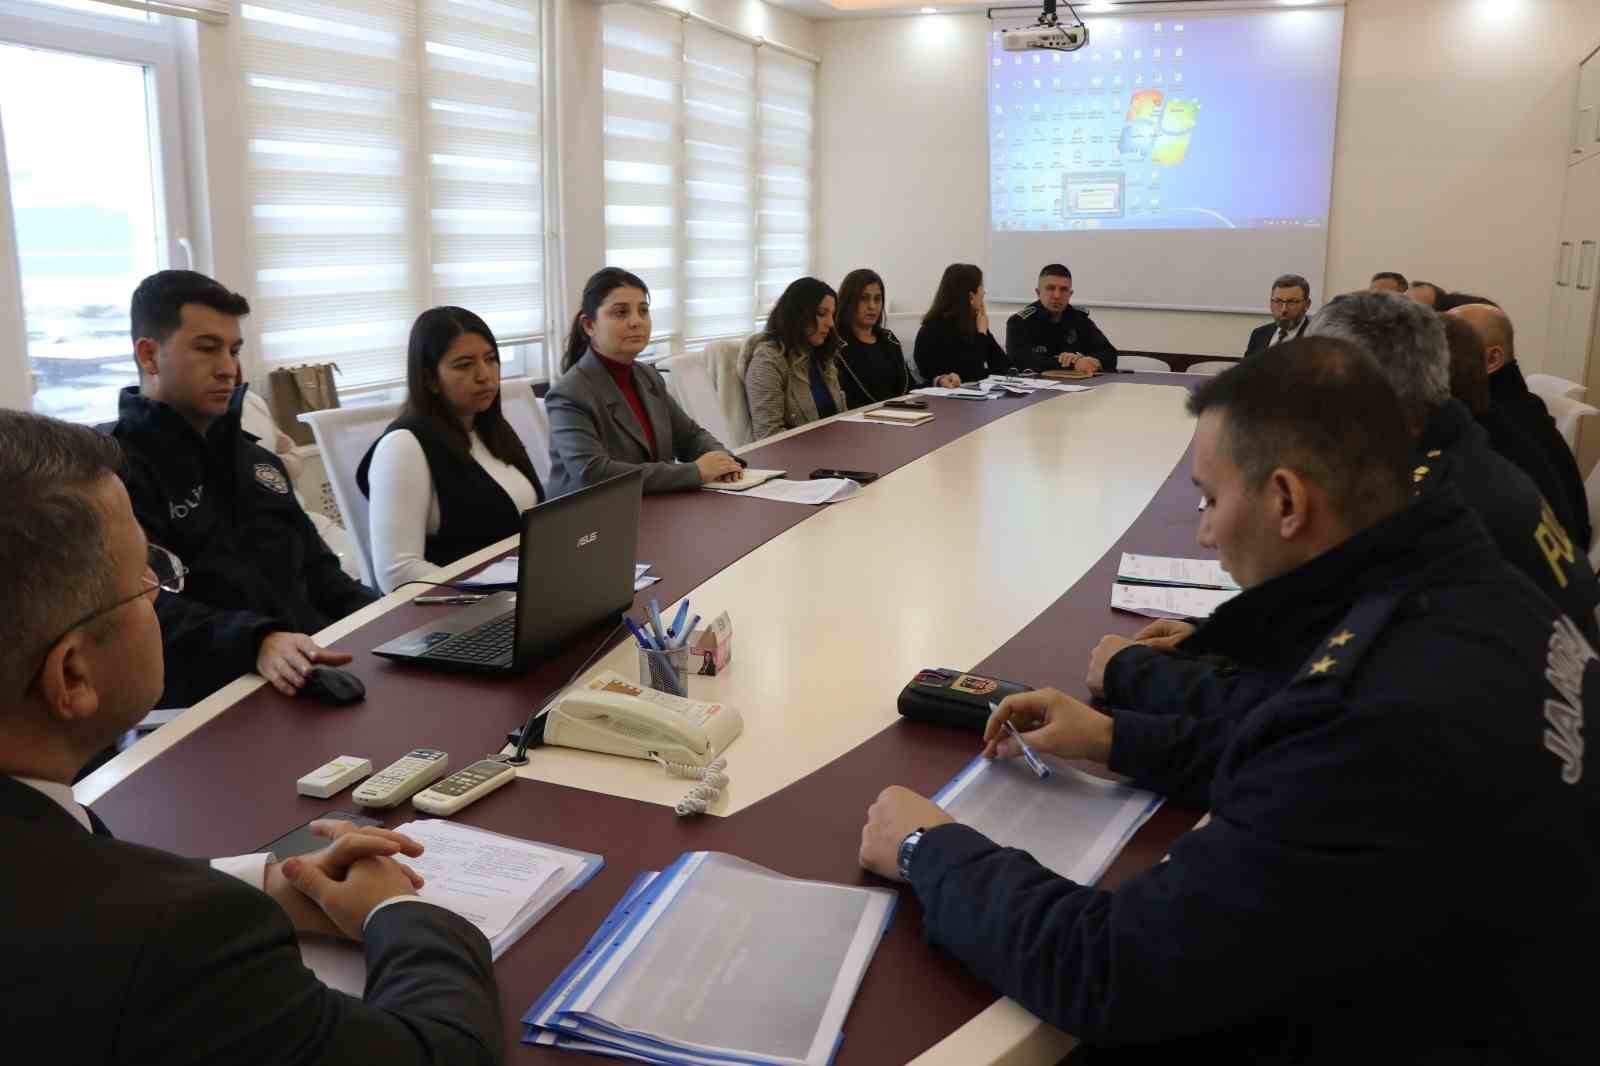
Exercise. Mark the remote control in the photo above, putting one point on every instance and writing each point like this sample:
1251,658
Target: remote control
414,770
335,775
467,785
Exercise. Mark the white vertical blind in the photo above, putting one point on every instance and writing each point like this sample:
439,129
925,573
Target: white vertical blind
393,164
643,68
784,201
708,147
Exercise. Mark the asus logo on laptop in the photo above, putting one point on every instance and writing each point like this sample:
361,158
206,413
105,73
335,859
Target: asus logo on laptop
588,539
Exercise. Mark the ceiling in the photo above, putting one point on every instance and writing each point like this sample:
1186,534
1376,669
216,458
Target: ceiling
843,9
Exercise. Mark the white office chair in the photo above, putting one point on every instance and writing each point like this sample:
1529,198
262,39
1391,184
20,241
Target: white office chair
722,363
690,384
527,415
1214,366
1547,385
1568,413
344,435
1143,363
258,422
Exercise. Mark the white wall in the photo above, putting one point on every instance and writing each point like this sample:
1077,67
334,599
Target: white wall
1449,163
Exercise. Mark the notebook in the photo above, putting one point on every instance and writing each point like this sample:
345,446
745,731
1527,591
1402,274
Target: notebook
749,480
898,416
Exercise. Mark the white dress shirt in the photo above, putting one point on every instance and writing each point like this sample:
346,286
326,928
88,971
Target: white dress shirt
404,507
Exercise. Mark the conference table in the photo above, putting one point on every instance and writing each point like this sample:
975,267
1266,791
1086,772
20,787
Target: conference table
990,543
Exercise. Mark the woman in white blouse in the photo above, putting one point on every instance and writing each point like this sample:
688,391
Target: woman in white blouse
449,476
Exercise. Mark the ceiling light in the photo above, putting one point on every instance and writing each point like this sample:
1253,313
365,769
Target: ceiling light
930,11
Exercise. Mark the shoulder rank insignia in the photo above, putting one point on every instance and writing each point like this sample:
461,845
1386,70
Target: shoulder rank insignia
1029,311
1338,653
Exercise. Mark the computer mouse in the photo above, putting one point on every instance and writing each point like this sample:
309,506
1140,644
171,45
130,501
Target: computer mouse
329,685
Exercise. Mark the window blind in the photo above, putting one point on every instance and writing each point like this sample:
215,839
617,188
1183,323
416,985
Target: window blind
393,164
785,197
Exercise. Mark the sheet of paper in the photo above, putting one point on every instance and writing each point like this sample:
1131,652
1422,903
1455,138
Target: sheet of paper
644,582
501,572
484,877
1072,822
749,479
820,491
1167,570
1168,601
964,393
1036,384
881,422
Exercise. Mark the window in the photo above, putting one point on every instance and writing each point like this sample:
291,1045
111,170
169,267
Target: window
708,146
394,165
91,212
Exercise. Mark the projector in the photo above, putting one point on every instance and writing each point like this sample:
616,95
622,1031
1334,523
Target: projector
1052,38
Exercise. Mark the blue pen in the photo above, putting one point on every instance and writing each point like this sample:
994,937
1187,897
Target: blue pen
638,634
1035,764
655,623
677,620
683,637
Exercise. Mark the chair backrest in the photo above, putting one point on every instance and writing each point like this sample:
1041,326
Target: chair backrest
527,415
722,364
690,384
1143,363
1568,413
343,435
905,326
1211,367
1548,385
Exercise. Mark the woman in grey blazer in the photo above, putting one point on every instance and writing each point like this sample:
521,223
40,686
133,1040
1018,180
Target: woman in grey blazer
610,414
791,371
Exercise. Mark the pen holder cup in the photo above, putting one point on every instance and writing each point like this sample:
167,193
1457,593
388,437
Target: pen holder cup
665,671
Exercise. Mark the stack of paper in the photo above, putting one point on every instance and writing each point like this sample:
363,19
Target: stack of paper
1071,822
717,960
1157,586
1035,384
818,491
748,479
889,416
963,393
500,884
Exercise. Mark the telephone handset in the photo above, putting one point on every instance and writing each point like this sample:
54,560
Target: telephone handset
614,715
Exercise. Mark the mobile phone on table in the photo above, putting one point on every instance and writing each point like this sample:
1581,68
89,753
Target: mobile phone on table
302,840
907,404
861,477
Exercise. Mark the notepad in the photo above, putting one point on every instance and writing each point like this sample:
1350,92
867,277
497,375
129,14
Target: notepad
749,479
718,959
896,416
1168,601
1166,570
500,884
1071,822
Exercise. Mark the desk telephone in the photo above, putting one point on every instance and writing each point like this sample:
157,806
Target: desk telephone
614,715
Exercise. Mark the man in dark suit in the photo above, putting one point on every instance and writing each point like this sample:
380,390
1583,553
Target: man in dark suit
120,953
1291,306
1519,410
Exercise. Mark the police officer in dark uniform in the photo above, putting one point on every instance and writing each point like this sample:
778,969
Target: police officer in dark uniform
1401,858
1051,334
259,577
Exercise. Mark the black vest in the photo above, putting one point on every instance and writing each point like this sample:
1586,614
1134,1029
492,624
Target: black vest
474,511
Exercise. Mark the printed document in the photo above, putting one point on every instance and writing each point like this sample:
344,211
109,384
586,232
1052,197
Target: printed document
1165,570
819,491
1168,601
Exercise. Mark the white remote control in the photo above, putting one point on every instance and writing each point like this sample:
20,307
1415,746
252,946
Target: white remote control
467,785
335,775
414,770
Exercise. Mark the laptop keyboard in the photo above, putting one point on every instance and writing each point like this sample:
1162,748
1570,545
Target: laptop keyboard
492,642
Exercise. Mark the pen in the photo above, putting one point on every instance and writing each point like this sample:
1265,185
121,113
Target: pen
1040,770
683,637
435,600
639,634
677,621
656,627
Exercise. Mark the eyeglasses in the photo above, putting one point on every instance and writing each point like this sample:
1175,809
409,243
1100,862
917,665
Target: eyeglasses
1296,302
164,572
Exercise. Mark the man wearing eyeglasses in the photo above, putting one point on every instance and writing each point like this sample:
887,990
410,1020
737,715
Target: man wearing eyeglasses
261,578
125,954
1291,306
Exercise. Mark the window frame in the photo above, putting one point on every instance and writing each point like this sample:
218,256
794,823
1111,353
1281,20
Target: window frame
151,44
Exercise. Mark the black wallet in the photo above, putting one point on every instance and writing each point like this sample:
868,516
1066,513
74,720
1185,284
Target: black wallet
954,699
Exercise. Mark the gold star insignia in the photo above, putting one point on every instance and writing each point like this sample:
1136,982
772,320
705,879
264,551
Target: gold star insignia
1324,664
1435,454
1341,640
1419,473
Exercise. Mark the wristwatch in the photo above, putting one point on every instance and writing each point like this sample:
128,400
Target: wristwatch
908,847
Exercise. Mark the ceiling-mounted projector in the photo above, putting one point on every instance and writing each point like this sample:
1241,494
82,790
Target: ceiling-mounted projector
1047,33
1054,38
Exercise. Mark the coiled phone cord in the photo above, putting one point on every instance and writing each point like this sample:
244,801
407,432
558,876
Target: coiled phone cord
712,779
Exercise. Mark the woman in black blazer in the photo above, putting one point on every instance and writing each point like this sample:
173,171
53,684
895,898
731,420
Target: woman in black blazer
872,365
955,344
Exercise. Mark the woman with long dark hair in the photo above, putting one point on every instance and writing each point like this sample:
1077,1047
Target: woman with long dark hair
610,413
790,373
449,476
872,364
954,344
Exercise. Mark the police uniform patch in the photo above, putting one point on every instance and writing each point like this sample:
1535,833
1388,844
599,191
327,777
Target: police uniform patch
270,477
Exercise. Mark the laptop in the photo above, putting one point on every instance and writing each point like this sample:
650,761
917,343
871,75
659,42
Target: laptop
574,571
